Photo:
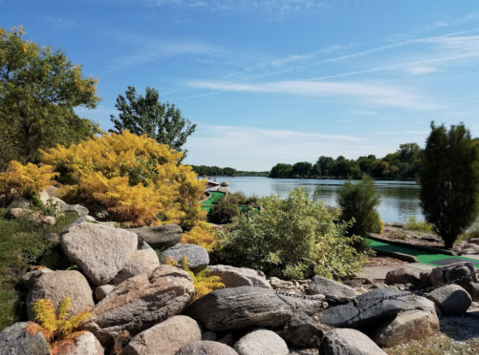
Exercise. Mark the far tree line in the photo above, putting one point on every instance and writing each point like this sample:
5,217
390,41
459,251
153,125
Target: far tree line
404,164
203,170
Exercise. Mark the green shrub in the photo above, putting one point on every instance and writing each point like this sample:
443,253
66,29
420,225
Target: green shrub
378,224
358,202
294,237
471,233
223,212
414,225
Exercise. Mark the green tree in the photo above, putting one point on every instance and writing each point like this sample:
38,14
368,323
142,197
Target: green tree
359,201
450,181
281,171
302,169
39,89
147,115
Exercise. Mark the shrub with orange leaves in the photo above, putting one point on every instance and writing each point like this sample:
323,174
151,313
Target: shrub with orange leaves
139,181
25,180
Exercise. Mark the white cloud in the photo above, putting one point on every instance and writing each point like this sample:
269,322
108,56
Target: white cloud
421,70
60,22
372,93
292,58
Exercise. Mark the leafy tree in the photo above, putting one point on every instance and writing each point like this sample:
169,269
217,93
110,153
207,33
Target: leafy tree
302,169
39,89
359,201
281,171
450,181
147,115
295,237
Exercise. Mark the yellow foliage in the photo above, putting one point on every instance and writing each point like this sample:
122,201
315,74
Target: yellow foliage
26,180
204,283
170,261
57,328
202,235
136,178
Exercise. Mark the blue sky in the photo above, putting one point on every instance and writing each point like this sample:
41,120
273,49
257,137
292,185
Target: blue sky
272,81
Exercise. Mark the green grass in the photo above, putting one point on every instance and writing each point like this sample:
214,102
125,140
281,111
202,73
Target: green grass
21,243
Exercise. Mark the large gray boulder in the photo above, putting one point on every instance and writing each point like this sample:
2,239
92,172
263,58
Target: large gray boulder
365,309
57,285
198,257
349,342
417,322
85,344
239,276
159,237
330,288
462,274
206,348
240,307
144,261
165,338
451,299
402,276
15,341
139,303
99,251
261,342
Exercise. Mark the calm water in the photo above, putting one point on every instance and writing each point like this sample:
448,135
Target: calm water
399,199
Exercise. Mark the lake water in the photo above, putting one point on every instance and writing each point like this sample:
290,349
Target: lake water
399,199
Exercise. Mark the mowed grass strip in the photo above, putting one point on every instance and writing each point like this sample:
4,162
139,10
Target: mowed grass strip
22,243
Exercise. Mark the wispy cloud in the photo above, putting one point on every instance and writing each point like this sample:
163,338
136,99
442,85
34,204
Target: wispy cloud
421,70
60,22
367,92
274,8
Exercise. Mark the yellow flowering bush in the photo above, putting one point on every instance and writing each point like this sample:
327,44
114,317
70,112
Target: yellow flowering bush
139,181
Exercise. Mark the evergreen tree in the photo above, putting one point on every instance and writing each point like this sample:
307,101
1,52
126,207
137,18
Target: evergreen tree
450,181
147,115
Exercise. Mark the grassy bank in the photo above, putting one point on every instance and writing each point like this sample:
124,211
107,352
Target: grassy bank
22,242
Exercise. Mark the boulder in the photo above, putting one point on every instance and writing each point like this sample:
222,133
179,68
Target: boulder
100,251
85,344
138,304
402,276
48,220
418,321
240,307
261,342
330,288
159,237
102,291
57,285
20,203
451,299
462,273
14,340
172,271
349,342
29,278
15,213
239,276
206,348
48,196
365,309
144,261
302,331
198,257
165,338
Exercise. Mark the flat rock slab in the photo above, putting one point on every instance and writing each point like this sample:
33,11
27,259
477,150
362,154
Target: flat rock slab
349,342
165,338
365,309
57,285
15,341
139,303
159,237
239,276
99,251
239,308
323,286
198,257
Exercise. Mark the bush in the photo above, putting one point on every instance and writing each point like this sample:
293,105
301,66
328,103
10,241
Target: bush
223,212
358,202
450,181
378,224
139,181
471,233
202,235
290,238
421,226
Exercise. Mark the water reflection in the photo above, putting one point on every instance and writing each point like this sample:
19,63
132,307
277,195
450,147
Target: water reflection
399,200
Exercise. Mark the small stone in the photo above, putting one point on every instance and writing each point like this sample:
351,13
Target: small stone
261,342
48,221
15,213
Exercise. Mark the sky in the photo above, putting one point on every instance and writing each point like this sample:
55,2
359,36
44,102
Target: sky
271,81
